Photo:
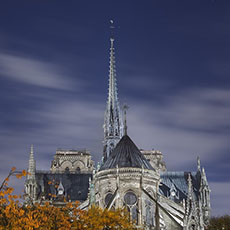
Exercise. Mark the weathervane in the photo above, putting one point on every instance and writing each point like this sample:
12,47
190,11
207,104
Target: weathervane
112,27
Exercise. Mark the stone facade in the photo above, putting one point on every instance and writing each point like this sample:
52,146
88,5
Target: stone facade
116,188
72,161
155,157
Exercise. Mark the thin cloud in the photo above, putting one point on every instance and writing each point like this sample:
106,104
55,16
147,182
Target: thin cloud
189,124
32,71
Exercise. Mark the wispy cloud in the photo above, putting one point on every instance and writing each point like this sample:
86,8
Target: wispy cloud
188,124
33,71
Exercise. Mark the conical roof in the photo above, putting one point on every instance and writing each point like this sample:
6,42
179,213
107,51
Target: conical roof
126,154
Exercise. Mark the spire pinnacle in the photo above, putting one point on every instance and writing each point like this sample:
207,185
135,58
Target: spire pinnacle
32,163
112,27
31,149
189,186
113,123
198,164
60,189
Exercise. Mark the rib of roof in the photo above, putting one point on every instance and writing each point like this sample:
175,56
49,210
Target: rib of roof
126,154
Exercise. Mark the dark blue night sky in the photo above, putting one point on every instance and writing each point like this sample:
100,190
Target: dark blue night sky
173,70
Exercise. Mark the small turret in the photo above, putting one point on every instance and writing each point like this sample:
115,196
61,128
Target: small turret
30,183
60,189
205,197
32,164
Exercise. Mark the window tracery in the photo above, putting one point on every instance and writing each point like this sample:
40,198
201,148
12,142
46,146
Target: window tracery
131,202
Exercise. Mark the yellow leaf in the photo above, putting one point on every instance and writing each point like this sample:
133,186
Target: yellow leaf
19,176
24,173
13,169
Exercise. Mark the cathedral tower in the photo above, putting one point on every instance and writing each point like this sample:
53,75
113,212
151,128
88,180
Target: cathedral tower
113,124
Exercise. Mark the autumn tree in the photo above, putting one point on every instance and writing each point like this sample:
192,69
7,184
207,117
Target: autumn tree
219,223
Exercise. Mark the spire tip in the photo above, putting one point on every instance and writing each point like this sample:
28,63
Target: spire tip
32,149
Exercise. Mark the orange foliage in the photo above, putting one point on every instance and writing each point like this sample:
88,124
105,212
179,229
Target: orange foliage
17,216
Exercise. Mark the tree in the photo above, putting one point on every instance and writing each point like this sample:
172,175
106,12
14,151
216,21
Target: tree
17,216
220,223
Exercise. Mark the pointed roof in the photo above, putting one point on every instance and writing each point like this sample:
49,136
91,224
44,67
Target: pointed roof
126,154
60,187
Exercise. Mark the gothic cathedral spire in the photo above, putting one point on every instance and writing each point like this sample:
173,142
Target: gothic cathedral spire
113,123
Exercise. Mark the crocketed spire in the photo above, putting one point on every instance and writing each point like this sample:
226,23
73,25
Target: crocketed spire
113,124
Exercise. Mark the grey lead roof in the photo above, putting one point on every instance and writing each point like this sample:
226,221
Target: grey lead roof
126,154
180,181
75,185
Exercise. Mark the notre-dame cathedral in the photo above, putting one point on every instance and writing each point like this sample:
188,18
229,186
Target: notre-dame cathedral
128,176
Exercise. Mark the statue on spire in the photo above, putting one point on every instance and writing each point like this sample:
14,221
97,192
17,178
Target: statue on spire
113,124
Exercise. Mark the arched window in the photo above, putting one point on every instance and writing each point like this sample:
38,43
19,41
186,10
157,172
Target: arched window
192,227
111,148
130,200
149,213
108,198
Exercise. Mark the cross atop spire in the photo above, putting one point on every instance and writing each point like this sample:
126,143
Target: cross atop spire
112,27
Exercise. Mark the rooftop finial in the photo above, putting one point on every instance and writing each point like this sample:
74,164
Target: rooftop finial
198,164
112,27
32,149
125,108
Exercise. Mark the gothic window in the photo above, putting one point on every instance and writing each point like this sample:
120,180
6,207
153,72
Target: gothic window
149,213
108,198
130,200
205,197
192,227
116,132
111,148
135,214
54,163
